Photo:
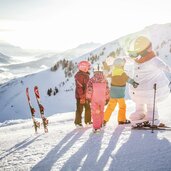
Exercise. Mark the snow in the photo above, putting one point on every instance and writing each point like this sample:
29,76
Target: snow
67,148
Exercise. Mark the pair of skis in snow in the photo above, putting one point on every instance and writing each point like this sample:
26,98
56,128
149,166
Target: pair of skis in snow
36,124
146,126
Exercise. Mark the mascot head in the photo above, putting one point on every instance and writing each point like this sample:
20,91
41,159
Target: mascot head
139,46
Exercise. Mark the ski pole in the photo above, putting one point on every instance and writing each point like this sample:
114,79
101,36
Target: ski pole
154,104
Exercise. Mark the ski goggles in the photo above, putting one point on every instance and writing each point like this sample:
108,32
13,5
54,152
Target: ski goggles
133,54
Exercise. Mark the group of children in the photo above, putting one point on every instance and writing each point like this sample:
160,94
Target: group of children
93,94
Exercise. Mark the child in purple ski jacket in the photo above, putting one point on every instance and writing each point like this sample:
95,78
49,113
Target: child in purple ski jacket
98,94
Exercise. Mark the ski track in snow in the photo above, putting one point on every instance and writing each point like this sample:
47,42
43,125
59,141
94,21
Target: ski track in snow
66,148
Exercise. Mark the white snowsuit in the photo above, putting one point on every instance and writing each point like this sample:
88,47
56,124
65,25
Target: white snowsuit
147,74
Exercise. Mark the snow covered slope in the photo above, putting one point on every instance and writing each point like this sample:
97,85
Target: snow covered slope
65,148
13,102
4,59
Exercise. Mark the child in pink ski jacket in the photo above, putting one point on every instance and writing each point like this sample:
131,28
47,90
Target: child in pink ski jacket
98,94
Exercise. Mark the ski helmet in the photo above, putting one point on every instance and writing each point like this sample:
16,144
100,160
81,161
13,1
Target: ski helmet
139,46
119,62
84,66
98,67
109,60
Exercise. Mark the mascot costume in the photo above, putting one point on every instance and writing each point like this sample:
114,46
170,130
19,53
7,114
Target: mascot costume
153,84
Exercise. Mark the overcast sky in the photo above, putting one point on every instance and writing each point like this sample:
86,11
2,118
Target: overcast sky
63,24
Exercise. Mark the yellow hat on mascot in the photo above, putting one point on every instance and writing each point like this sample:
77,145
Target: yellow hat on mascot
139,46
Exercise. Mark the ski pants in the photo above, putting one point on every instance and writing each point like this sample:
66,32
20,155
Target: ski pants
97,113
111,107
79,110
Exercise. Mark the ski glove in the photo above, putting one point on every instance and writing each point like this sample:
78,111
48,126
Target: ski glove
135,84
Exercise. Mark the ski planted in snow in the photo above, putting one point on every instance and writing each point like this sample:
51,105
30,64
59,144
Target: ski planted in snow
36,124
41,108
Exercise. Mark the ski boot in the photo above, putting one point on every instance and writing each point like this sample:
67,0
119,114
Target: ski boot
79,125
88,123
143,124
122,122
96,130
104,123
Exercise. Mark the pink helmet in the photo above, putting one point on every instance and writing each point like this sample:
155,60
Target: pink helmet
84,66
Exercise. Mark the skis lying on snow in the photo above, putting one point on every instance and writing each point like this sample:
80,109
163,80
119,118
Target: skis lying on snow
155,128
146,126
150,128
41,108
36,124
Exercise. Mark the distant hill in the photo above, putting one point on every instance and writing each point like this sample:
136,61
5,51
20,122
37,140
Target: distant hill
4,59
12,50
19,66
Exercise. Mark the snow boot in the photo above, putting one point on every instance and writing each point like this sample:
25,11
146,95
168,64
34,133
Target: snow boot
96,130
89,123
79,125
122,122
104,123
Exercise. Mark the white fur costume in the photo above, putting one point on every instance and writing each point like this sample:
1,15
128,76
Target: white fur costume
147,74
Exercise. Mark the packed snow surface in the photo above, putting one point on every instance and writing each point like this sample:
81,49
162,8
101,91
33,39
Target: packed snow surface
67,148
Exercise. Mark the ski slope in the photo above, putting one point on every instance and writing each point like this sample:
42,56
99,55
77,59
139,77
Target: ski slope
66,148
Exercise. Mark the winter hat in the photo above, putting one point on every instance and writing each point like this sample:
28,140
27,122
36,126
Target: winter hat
98,67
109,60
119,62
139,46
84,66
